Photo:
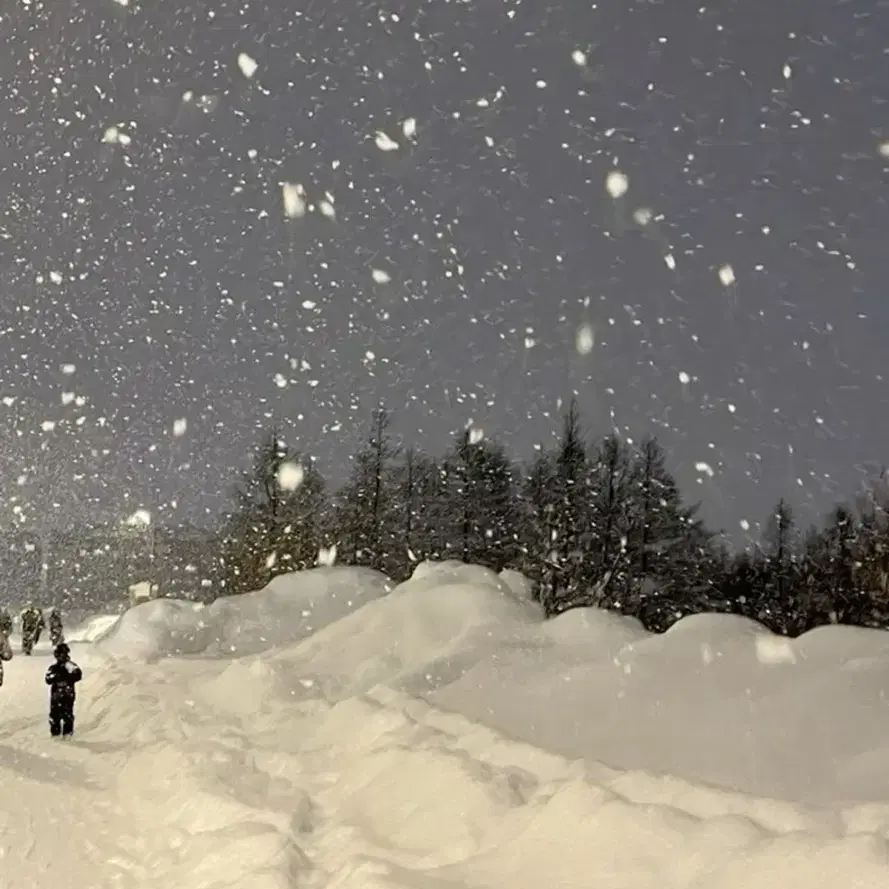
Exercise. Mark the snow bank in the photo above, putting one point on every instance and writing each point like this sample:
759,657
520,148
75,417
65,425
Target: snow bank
421,633
92,628
424,798
389,748
722,701
717,699
519,585
290,607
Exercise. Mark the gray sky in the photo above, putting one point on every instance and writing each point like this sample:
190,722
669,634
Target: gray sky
184,290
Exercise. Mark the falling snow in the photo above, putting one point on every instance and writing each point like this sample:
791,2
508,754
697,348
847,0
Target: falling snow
247,65
203,221
616,183
726,275
290,475
384,143
585,339
294,200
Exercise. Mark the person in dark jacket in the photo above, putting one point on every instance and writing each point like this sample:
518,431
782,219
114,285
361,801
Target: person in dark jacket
61,677
32,626
5,622
56,631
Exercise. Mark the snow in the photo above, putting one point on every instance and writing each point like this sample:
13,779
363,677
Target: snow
616,184
332,731
289,608
384,142
293,196
92,628
585,339
726,275
290,475
247,65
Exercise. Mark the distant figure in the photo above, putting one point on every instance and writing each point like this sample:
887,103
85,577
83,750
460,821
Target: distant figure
32,627
5,652
56,631
61,677
5,622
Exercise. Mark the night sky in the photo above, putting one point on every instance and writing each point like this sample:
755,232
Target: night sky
149,274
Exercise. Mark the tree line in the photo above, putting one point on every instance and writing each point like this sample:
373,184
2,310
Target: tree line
591,523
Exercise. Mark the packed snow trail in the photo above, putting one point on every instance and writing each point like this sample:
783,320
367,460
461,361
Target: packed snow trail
121,804
61,825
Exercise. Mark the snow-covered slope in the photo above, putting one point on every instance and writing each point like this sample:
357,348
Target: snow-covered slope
291,607
92,628
388,748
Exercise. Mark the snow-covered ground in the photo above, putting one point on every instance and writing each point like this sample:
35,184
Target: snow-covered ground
328,732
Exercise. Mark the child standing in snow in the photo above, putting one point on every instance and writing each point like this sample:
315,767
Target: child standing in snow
61,677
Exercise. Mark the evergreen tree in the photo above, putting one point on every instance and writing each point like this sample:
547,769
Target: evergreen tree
481,498
778,602
740,585
830,591
539,528
365,512
413,512
610,481
572,517
668,544
277,521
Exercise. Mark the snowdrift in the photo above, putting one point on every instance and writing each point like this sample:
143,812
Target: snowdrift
425,633
290,607
442,734
382,790
92,628
717,699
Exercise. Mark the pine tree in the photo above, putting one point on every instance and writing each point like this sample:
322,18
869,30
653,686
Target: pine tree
778,603
573,519
611,478
481,498
272,528
413,511
366,502
740,584
539,528
872,554
667,544
831,595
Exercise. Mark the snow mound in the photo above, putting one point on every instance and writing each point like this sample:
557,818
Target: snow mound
519,585
722,701
291,607
842,644
425,798
421,630
735,760
594,629
92,628
157,628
